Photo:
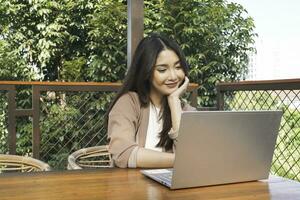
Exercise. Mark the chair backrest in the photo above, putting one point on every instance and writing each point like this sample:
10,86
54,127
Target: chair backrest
90,157
14,163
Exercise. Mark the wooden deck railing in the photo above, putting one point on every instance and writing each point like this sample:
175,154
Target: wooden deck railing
283,84
34,112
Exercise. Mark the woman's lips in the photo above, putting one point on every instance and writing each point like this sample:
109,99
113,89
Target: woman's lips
172,85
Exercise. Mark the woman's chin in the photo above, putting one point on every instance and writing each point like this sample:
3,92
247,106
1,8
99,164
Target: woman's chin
170,91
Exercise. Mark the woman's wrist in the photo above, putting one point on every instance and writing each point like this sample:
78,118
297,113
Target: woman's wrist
175,107
173,100
173,134
147,158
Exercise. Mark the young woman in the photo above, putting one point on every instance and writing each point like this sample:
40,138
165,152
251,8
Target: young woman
144,118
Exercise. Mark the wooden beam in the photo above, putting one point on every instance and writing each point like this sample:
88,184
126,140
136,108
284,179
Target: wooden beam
135,28
36,132
12,134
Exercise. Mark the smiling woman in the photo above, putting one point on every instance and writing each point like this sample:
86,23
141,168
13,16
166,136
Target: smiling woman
167,74
143,120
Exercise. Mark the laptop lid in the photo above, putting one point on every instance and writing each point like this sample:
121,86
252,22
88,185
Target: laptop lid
219,147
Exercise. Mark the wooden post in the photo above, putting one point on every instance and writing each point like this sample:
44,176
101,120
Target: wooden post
12,135
220,98
36,135
135,28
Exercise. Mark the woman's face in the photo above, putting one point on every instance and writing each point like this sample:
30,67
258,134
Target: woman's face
168,74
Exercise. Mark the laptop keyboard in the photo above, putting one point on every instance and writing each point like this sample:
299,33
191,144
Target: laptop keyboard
165,176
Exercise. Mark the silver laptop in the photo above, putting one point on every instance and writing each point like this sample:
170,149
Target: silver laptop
220,147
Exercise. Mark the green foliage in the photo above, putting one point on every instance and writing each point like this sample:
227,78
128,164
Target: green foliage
252,100
216,37
3,124
24,140
72,70
12,65
33,28
107,42
50,35
71,124
287,153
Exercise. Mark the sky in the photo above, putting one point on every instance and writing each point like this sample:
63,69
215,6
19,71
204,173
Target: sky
278,44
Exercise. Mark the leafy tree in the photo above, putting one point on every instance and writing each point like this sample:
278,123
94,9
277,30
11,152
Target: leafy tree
13,66
216,37
51,35
57,37
3,124
108,41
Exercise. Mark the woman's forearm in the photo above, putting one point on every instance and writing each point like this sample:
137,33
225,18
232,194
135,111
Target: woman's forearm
147,158
175,108
175,104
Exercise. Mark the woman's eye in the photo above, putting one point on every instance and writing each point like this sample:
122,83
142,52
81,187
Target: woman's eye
161,70
178,67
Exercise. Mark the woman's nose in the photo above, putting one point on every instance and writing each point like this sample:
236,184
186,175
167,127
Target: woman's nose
172,75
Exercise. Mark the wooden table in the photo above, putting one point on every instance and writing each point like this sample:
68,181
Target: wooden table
130,184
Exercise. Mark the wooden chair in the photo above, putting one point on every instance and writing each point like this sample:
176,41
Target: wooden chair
14,163
90,157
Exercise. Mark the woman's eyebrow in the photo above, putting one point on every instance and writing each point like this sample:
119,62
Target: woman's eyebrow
177,62
161,65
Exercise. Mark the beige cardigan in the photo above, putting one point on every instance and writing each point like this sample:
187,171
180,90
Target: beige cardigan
128,123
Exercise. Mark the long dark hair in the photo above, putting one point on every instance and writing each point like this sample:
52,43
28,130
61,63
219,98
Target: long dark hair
138,78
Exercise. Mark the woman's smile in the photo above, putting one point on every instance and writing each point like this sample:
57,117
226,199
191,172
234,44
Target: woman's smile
172,85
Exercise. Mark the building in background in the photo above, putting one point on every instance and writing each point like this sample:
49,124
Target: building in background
278,43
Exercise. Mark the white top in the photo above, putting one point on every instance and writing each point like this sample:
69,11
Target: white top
154,128
152,138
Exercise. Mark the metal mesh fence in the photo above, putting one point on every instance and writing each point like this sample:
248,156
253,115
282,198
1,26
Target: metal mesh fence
286,159
70,121
52,120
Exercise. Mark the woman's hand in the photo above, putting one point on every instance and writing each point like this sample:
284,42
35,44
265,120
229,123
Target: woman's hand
175,105
180,90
